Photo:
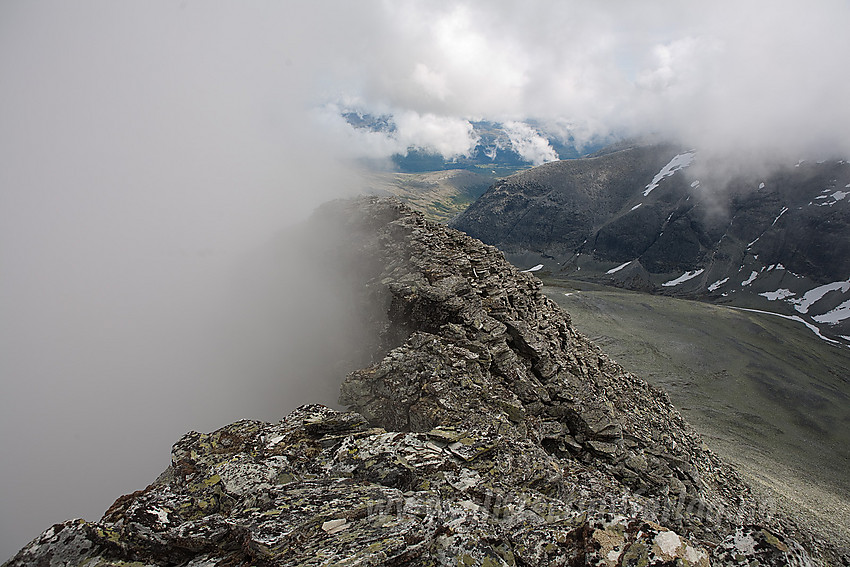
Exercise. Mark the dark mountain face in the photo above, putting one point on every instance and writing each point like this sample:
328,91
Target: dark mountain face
552,209
642,218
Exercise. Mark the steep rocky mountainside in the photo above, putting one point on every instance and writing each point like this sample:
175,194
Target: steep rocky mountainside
642,218
488,432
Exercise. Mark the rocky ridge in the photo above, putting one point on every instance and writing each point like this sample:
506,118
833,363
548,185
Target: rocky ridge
490,432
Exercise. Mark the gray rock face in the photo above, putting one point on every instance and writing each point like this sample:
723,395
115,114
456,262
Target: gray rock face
490,433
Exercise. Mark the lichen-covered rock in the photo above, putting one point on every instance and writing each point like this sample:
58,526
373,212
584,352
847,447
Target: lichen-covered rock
490,433
755,546
321,487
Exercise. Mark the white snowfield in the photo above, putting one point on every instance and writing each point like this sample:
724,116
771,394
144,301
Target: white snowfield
716,285
836,315
836,196
812,296
678,162
534,269
683,278
778,294
618,268
750,279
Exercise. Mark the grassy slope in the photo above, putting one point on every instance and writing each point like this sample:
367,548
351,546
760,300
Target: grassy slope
440,195
765,393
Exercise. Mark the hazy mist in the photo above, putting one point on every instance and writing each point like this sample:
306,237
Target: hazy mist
151,153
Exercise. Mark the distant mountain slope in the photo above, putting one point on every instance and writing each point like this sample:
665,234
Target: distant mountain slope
439,195
640,219
554,208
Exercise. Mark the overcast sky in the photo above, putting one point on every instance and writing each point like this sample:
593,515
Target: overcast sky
150,150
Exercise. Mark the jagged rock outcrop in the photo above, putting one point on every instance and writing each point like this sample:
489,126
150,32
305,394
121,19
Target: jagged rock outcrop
490,433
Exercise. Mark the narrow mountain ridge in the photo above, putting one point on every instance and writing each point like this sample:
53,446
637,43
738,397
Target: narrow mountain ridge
488,432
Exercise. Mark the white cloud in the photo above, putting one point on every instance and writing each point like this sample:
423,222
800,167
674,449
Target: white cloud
432,81
529,144
764,77
344,139
448,136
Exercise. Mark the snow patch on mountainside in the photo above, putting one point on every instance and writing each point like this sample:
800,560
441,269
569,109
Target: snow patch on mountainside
618,268
782,212
836,315
678,162
812,296
750,279
835,195
683,278
778,294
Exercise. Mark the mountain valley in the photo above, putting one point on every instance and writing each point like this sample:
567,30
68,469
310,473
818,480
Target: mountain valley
775,401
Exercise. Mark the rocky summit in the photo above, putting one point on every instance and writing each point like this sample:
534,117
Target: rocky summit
487,432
